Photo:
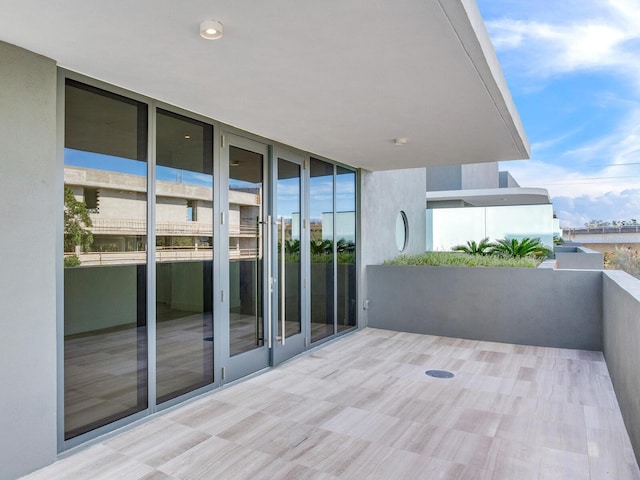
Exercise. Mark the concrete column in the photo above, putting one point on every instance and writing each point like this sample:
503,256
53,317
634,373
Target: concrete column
382,196
29,209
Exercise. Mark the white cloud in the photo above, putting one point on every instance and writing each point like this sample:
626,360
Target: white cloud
605,40
577,211
622,146
537,147
547,39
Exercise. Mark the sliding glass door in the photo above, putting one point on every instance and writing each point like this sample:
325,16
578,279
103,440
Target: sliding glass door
247,299
156,246
332,207
184,255
290,254
105,274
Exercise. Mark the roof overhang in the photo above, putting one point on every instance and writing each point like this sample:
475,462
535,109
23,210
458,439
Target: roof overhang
341,79
492,197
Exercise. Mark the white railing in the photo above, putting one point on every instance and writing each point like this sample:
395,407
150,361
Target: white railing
163,254
133,226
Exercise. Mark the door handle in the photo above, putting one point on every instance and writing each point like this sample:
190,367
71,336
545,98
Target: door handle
270,277
282,280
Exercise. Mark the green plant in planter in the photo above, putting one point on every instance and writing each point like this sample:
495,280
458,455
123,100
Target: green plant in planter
458,259
527,247
484,247
292,246
321,247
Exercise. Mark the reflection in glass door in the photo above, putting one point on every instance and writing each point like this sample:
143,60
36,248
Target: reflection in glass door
105,274
345,238
290,252
321,206
184,255
246,250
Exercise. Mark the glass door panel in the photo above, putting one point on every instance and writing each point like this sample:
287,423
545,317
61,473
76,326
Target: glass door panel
289,253
105,271
246,250
289,265
321,244
184,255
346,247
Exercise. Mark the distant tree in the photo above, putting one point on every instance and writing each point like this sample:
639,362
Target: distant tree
527,247
484,247
597,224
612,223
76,223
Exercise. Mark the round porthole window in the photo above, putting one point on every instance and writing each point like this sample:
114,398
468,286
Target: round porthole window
402,231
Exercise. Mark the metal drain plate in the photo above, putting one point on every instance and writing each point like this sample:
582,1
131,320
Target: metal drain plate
439,374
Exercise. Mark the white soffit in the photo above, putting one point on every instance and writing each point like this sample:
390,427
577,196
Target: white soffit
339,78
493,196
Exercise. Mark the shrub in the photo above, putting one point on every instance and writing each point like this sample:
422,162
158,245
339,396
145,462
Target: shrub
485,247
623,259
527,247
454,259
71,261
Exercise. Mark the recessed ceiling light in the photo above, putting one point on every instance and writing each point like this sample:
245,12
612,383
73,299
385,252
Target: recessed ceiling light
400,141
234,163
211,30
187,137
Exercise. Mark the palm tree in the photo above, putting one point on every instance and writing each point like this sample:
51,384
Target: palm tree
485,247
321,247
343,245
527,247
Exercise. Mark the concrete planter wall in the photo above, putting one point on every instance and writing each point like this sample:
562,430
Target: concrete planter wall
621,324
578,258
515,305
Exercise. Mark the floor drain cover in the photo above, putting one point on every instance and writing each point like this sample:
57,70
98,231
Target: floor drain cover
208,339
439,373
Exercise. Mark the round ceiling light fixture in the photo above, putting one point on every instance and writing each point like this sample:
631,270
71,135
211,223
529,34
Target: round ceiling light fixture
211,30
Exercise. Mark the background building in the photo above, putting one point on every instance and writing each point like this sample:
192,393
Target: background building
472,202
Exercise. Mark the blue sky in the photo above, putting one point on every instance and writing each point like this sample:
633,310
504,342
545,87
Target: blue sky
573,68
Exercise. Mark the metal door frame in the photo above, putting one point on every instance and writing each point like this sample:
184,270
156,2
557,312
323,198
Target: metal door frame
242,364
282,351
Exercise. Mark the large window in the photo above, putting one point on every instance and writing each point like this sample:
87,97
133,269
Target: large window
345,238
105,287
321,200
332,204
184,255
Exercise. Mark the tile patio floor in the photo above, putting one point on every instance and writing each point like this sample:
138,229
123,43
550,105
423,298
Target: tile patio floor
363,408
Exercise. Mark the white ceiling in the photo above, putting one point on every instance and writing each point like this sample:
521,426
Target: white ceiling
338,78
493,196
